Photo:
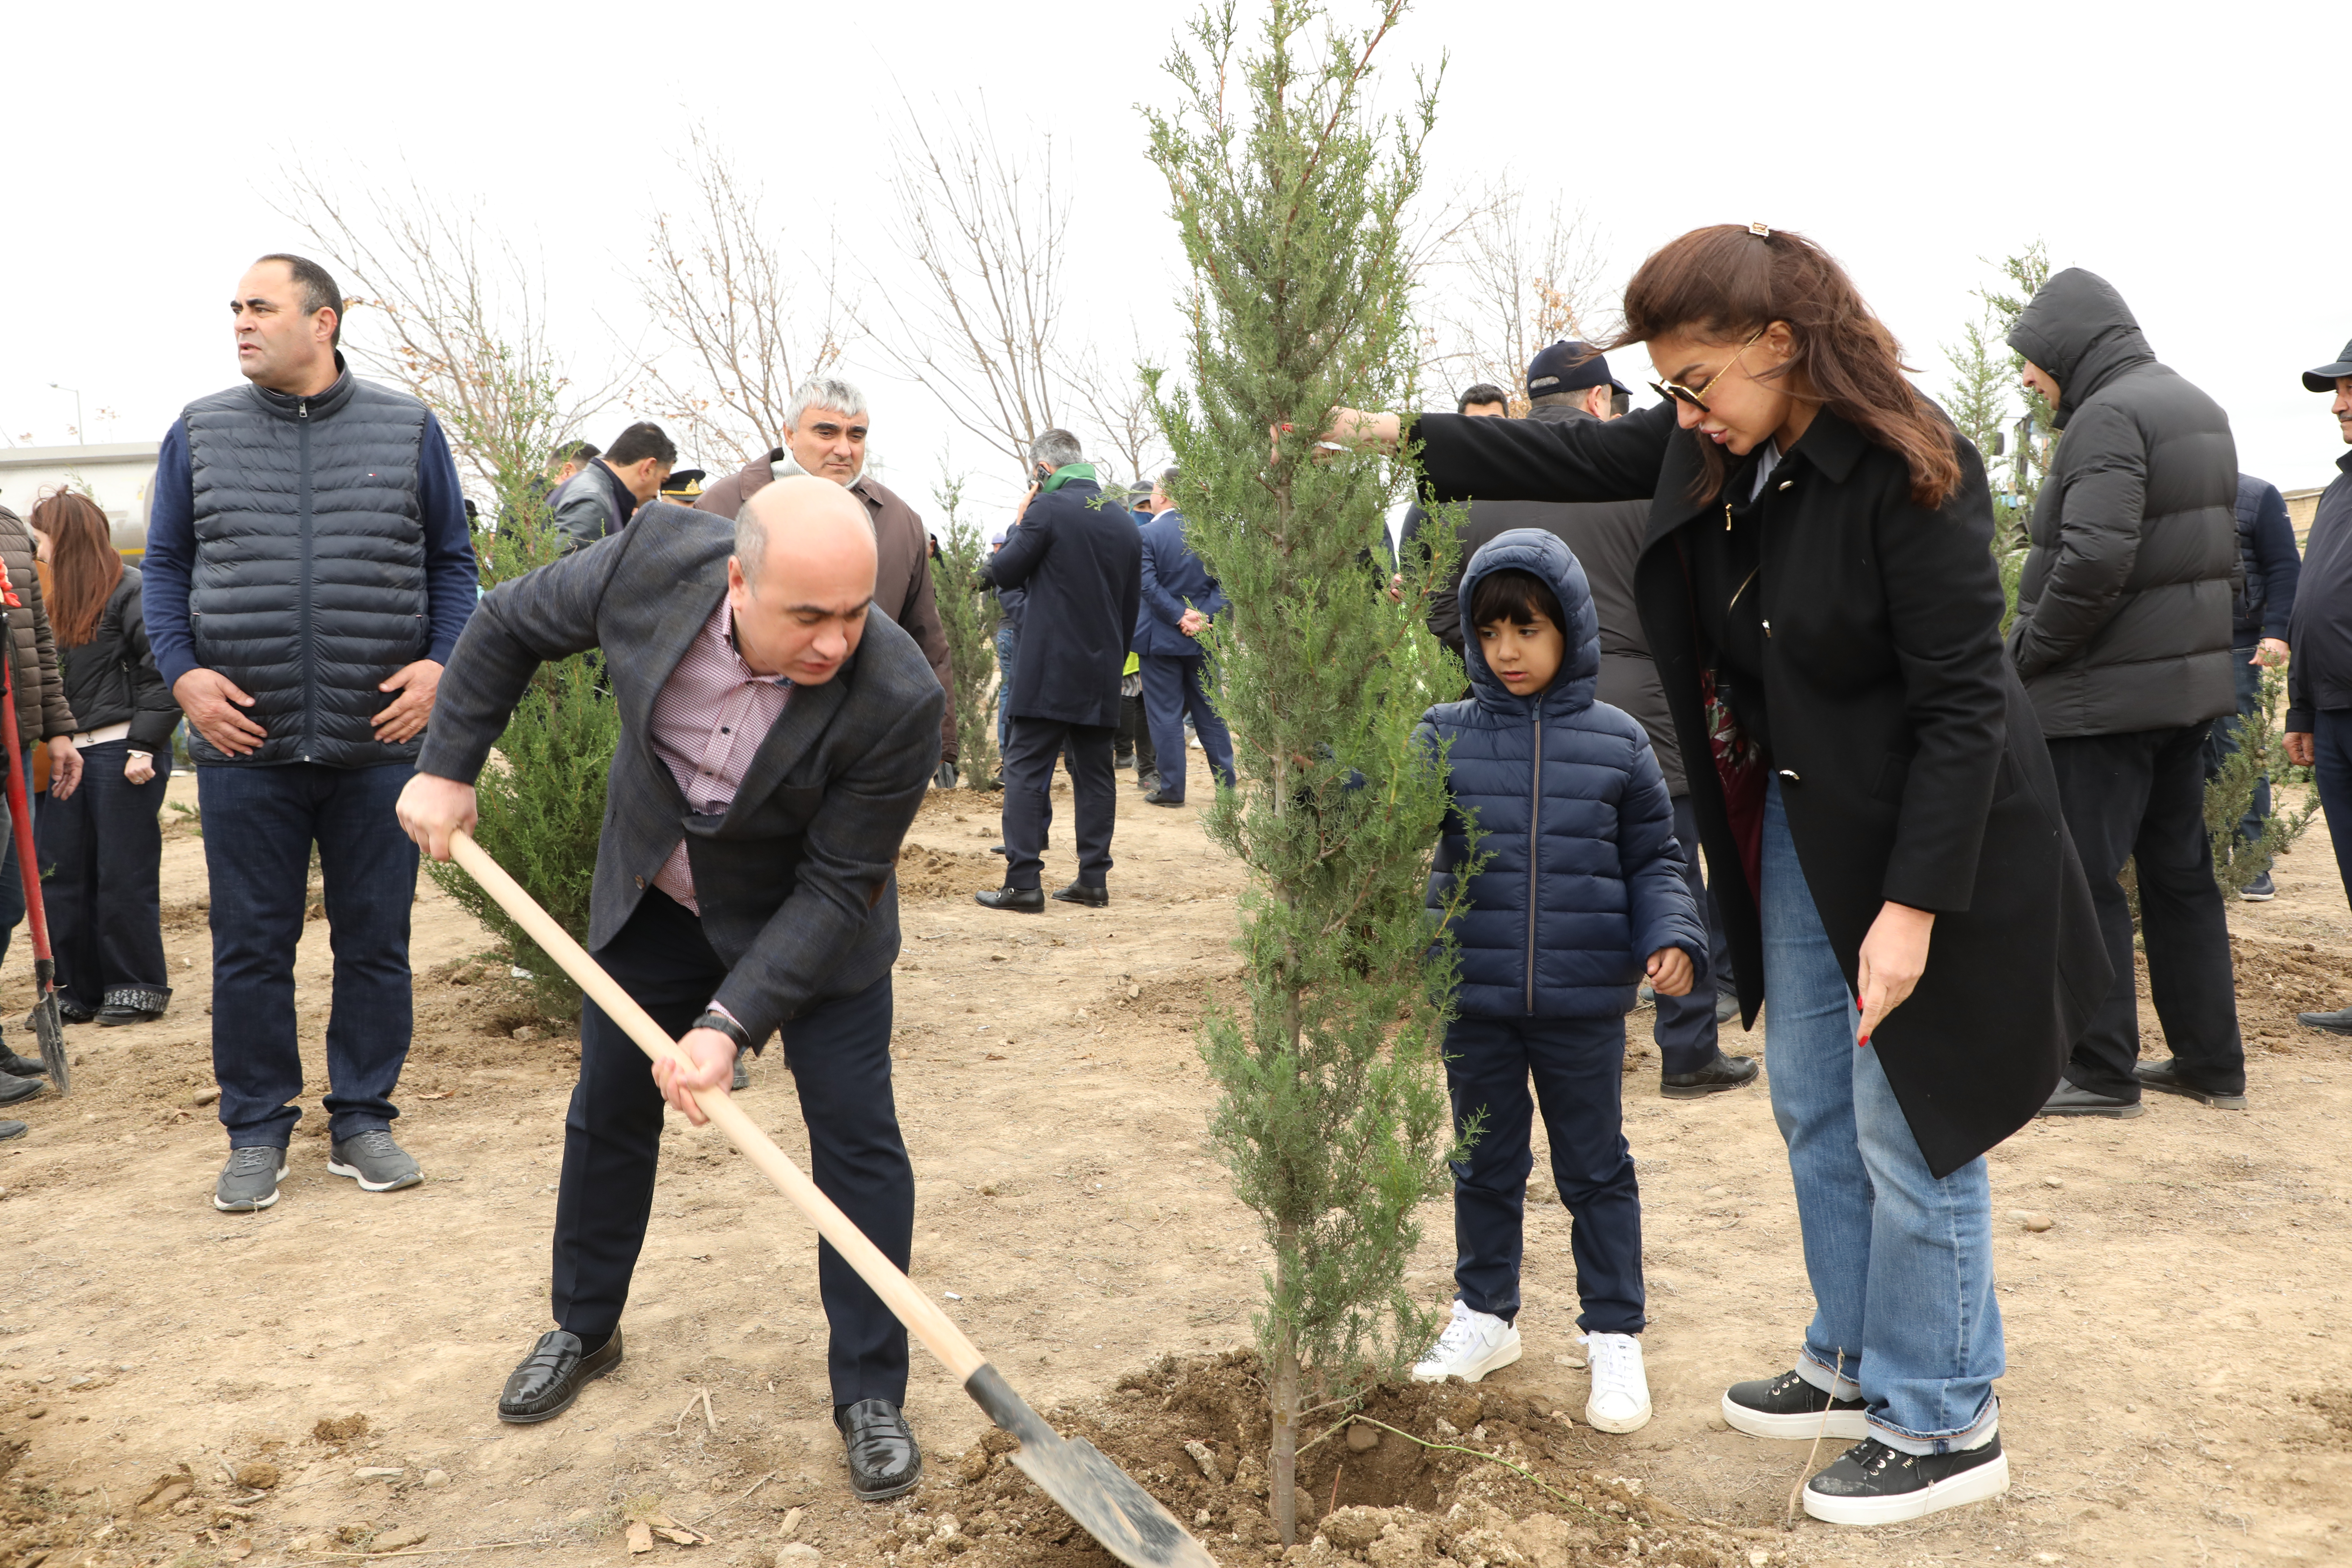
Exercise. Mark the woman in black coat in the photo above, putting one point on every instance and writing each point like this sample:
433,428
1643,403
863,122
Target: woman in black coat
100,848
1881,821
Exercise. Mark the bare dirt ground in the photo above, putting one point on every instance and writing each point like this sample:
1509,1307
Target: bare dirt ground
2178,1391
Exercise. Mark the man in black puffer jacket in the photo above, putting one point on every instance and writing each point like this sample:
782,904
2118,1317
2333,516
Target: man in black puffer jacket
308,570
2123,637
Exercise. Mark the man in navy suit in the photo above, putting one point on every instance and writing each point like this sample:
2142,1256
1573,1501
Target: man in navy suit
1179,598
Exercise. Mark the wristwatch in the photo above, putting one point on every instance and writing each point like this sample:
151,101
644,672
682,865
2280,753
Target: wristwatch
715,1019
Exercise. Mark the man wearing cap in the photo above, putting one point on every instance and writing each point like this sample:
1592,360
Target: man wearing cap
1568,383
2319,637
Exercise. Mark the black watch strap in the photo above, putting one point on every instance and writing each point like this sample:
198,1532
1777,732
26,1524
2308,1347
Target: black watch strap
715,1019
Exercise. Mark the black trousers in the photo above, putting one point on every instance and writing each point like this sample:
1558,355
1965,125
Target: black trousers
1029,754
1134,737
101,856
839,1053
2141,797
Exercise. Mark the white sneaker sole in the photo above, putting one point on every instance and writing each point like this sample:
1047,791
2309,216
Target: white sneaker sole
1503,1355
1852,1424
1987,1480
337,1168
258,1204
1603,1424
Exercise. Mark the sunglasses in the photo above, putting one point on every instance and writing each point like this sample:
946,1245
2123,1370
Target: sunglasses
1697,400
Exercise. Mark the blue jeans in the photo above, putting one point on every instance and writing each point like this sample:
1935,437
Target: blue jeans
259,825
1579,1068
1008,647
1901,1264
2331,740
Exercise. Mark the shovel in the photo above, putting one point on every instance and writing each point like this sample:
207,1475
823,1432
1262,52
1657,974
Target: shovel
47,1026
1102,1498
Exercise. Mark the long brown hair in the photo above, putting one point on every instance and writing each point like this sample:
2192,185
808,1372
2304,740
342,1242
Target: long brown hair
83,566
1728,281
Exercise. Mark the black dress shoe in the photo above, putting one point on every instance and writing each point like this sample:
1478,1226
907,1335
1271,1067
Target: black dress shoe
1722,1073
1021,900
2069,1099
884,1462
73,1014
1153,797
550,1378
22,1066
1079,893
2337,1023
14,1088
2167,1076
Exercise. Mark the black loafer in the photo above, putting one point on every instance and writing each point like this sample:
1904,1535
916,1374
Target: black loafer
550,1378
1079,893
1021,900
2069,1099
22,1066
2337,1023
884,1462
2167,1076
1722,1073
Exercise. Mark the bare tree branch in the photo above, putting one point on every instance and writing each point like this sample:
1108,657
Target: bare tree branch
1122,407
730,302
467,317
1526,280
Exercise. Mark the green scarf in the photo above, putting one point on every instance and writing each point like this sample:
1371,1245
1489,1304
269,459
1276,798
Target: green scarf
1064,473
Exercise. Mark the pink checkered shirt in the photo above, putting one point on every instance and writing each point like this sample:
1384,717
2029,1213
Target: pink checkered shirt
708,720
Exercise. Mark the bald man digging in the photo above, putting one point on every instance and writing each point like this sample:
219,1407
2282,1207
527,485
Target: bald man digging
776,740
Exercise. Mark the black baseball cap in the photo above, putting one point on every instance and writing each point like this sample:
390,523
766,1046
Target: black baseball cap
1556,369
2324,378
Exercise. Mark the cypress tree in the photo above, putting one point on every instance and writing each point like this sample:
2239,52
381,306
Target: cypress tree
1291,193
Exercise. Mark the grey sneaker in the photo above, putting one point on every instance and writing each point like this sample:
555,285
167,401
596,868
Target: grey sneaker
249,1181
373,1161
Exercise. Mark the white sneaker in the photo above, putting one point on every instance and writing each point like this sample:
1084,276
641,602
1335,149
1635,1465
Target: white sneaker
1620,1401
1473,1344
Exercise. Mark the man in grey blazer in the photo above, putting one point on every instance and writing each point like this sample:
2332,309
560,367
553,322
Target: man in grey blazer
776,741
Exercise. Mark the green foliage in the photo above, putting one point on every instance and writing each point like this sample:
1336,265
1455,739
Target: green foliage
2024,273
541,799
1290,194
1979,403
967,613
2230,791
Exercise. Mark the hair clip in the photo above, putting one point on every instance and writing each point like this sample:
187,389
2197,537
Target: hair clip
1760,231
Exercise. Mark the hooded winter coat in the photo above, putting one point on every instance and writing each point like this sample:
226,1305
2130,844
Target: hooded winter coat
42,711
1583,877
2123,611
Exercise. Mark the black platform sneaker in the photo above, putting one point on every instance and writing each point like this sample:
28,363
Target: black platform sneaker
1789,1407
1871,1483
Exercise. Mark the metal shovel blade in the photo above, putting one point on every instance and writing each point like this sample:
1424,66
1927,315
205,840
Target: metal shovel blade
1104,1499
51,1030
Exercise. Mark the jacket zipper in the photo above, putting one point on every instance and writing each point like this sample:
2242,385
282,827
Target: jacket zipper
310,663
1535,811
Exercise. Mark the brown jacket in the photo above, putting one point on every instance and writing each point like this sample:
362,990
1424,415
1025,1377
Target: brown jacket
41,710
902,576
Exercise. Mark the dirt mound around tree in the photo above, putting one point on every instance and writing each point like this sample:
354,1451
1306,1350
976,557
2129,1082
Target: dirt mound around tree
944,874
2276,980
1408,1478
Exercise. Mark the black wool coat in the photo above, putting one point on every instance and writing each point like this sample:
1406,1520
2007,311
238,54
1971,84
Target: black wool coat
1080,557
1909,760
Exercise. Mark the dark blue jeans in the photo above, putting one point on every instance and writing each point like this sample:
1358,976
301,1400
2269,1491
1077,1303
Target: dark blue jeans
2331,740
259,825
839,1053
1578,1066
2222,741
102,852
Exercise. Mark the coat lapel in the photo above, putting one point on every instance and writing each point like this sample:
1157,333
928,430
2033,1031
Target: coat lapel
805,718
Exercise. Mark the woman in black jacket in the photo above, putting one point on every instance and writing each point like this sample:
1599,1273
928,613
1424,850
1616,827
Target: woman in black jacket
100,849
1874,798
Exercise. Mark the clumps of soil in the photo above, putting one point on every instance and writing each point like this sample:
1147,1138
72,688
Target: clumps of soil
1194,1432
2276,980
339,1429
926,873
2333,1407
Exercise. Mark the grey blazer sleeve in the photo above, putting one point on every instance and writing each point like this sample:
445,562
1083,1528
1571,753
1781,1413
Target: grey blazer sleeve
544,615
848,859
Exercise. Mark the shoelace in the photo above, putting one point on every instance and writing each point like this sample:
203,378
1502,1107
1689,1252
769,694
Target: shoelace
375,1142
1459,1335
1613,1364
252,1158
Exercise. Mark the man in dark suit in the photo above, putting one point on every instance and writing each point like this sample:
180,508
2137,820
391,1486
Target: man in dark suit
1076,552
1179,600
776,741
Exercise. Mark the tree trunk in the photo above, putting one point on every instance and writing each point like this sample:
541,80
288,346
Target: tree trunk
1284,1467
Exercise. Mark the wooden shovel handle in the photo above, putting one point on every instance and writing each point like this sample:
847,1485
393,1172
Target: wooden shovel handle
912,1308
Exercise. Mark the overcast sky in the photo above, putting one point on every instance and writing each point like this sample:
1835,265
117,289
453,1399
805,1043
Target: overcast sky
2183,154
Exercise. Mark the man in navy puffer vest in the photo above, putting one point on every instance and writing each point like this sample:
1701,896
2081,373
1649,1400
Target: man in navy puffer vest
1581,893
308,570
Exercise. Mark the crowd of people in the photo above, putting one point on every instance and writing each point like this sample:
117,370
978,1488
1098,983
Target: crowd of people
1760,618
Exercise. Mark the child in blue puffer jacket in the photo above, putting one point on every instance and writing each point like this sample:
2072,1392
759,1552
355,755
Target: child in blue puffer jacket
1581,892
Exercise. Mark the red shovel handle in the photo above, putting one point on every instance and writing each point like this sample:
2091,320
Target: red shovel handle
20,810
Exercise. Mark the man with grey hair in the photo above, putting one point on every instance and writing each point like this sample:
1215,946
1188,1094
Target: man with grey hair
1077,552
824,435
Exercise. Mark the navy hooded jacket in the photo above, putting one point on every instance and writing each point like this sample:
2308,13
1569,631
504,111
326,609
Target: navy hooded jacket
1583,878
